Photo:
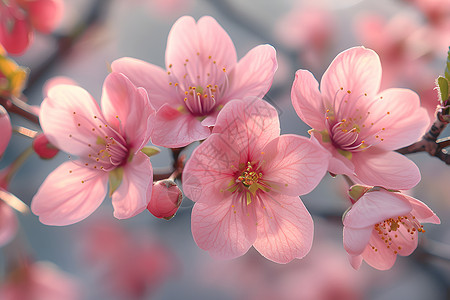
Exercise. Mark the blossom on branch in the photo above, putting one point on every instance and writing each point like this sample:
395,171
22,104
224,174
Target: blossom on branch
107,144
359,125
202,75
246,179
383,223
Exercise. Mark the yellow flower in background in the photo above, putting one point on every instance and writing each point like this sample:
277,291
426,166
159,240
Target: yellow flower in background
12,76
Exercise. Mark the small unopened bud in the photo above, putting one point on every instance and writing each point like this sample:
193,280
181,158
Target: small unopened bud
166,198
43,148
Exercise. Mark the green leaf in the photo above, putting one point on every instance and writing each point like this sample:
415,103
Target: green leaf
443,88
115,179
447,67
357,191
150,151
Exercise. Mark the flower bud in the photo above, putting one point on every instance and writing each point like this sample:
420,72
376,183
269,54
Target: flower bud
43,148
166,198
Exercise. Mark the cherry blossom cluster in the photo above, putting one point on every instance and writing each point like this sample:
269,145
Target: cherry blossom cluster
244,176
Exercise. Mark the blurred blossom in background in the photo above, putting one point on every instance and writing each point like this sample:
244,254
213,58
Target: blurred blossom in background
150,258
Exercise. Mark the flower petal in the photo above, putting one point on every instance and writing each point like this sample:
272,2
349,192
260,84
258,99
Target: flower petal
152,78
127,109
8,223
5,130
45,14
379,257
294,163
70,118
17,36
173,129
253,74
209,170
133,194
387,169
307,100
64,199
357,70
355,261
421,211
285,229
193,46
356,239
251,123
374,207
403,120
224,229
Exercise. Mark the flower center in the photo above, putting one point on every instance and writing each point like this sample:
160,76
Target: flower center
247,181
200,84
350,125
389,231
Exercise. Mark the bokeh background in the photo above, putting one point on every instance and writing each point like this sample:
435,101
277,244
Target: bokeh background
148,258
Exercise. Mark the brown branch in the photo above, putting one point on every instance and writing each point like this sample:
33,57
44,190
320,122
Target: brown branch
429,142
19,107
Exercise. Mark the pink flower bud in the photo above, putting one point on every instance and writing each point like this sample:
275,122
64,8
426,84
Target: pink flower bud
5,130
166,198
43,148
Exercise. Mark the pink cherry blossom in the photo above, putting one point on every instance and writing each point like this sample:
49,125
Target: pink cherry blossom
40,280
246,179
132,266
108,145
382,224
358,124
202,76
20,17
165,200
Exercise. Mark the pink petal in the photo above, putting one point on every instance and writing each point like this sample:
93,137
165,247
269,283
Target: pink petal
421,211
45,14
8,223
403,119
133,194
357,70
374,207
226,229
307,100
404,242
356,239
65,107
5,130
253,74
16,39
173,129
284,230
251,123
127,109
209,170
54,81
152,78
338,163
63,199
387,169
190,45
294,164
355,261
383,258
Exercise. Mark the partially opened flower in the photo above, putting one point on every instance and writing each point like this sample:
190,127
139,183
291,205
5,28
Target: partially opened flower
202,76
107,144
18,18
246,179
358,124
383,224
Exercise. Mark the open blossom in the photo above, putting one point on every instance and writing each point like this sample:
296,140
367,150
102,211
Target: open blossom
107,144
246,179
18,18
383,224
359,125
202,76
